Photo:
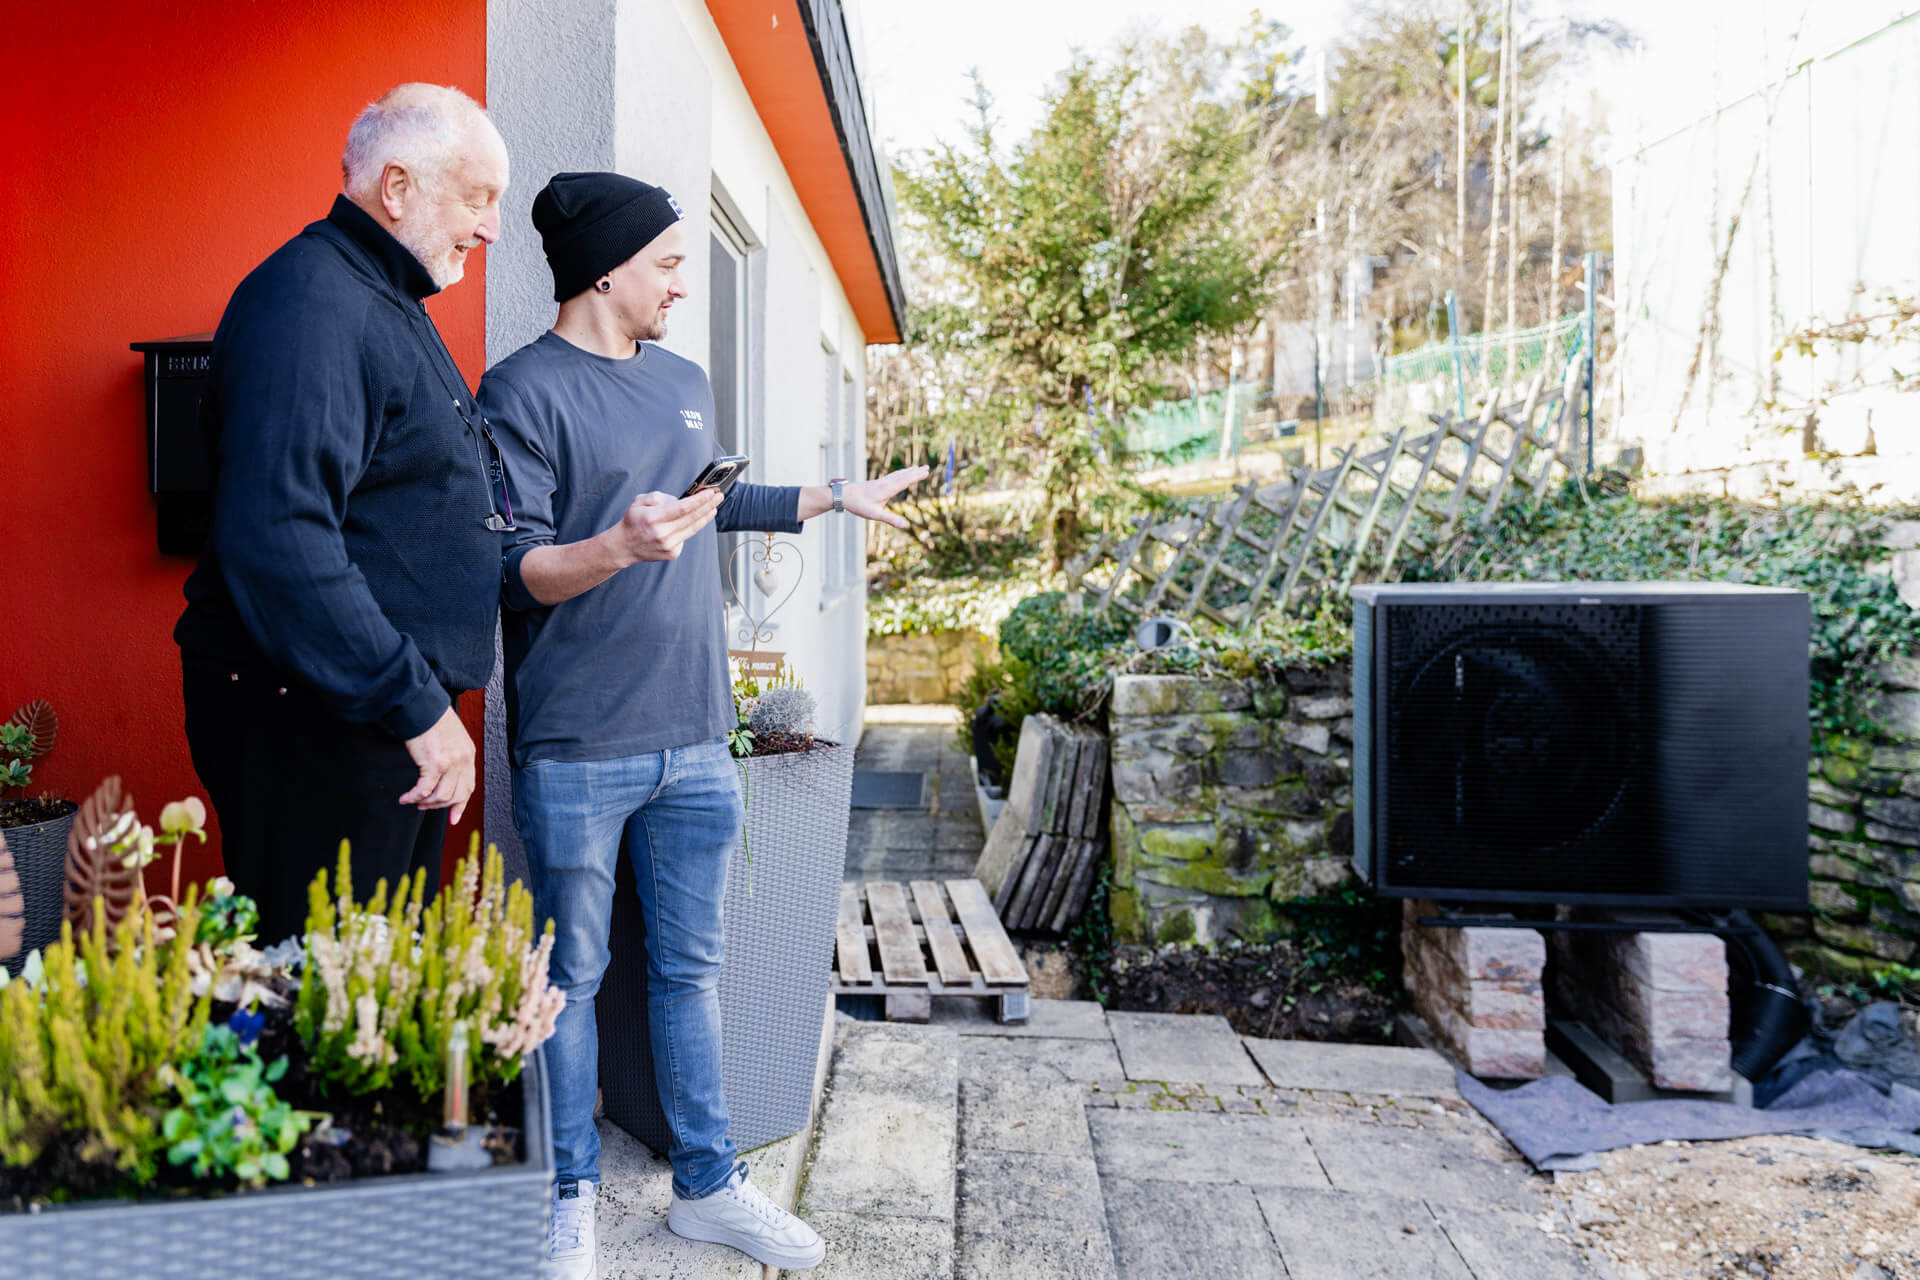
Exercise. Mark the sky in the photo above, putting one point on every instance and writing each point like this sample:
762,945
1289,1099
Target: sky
918,53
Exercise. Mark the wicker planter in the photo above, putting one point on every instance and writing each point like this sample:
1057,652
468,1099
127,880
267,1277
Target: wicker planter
39,852
774,985
487,1224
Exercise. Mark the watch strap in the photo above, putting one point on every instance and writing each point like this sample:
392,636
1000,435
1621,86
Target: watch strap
839,488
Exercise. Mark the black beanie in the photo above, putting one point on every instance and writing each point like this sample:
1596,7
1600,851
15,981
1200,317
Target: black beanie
590,223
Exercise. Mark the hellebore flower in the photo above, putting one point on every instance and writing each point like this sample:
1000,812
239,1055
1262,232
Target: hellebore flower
184,818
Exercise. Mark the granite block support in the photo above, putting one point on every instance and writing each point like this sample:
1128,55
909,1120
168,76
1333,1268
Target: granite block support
1659,999
1479,989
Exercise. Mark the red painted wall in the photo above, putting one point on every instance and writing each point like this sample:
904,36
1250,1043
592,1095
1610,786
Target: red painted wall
156,152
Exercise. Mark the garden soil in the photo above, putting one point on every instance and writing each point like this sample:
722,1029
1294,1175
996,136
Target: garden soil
1273,992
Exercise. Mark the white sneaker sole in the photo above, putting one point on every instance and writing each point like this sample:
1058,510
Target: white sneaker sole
759,1250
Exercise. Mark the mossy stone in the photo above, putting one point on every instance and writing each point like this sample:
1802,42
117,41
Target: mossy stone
1177,927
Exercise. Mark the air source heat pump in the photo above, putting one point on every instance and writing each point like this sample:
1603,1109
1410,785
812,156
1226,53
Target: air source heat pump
1618,744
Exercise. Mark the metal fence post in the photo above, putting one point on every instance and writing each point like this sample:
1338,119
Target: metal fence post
1459,376
1228,446
1586,322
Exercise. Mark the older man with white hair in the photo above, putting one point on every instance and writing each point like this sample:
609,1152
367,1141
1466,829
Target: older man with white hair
347,594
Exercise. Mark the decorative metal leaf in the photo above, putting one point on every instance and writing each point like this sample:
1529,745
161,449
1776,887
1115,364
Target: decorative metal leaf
93,870
38,720
13,906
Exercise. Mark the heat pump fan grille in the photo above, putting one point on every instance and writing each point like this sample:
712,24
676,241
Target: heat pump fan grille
1517,745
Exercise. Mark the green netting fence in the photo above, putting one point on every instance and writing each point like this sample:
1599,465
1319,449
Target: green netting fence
1177,431
1411,385
1431,379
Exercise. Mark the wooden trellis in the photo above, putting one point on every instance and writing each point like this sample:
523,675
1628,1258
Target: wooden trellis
1254,550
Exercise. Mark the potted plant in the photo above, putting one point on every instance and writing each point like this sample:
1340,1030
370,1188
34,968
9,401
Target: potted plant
782,903
35,827
174,1101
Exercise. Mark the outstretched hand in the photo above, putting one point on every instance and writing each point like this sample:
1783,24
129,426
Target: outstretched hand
868,499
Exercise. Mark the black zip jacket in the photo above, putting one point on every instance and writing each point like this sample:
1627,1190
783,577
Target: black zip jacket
350,548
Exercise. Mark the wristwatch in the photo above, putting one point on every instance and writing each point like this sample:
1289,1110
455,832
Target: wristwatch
839,487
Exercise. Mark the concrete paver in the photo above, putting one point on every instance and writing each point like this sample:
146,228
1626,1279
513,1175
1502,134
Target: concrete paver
1031,1217
1180,1146
988,1057
887,1135
1354,1068
1447,1168
1059,1019
1163,1229
1173,1046
874,1246
1338,1235
1507,1242
1011,1114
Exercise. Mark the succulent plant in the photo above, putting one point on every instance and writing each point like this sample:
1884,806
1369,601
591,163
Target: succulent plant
783,710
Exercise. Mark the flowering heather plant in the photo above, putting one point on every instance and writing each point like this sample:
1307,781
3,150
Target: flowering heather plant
83,1047
387,982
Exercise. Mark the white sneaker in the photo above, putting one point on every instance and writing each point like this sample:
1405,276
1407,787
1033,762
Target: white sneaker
571,1254
740,1216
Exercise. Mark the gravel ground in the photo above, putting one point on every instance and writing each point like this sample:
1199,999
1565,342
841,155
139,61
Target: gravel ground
1781,1208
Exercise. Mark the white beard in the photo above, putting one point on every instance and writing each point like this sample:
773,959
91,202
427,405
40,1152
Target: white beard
445,272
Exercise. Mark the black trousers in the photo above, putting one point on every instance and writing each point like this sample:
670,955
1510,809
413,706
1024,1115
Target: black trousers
289,780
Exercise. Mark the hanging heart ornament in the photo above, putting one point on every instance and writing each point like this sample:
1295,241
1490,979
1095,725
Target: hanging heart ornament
765,553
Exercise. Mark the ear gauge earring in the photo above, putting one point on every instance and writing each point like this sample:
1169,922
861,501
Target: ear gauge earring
604,286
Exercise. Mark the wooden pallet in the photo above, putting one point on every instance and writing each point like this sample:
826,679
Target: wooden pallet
909,943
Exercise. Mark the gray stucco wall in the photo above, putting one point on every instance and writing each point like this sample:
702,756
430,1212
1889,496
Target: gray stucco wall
550,91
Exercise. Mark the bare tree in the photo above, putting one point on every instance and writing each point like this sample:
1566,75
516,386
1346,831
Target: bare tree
1499,155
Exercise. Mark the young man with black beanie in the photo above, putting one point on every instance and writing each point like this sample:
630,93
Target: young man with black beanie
618,694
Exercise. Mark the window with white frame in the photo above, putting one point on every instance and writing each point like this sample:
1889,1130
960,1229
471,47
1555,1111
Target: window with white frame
728,367
833,562
852,532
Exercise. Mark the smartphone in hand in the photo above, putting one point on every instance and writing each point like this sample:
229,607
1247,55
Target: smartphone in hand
718,474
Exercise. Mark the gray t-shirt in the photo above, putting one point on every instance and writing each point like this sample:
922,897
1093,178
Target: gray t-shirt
638,663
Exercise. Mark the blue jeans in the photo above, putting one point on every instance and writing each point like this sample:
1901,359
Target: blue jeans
677,813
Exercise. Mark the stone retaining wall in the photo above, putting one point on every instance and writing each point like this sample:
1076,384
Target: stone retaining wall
1864,809
928,667
1228,797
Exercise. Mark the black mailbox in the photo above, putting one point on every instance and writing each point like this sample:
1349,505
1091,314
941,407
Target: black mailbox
176,378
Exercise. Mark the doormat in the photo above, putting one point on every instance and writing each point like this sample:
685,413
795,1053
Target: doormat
873,790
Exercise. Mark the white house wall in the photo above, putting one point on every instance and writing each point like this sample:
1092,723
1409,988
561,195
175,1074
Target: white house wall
1826,229
646,87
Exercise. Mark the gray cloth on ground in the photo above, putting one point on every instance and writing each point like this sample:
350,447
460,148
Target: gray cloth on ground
1558,1123
1873,1042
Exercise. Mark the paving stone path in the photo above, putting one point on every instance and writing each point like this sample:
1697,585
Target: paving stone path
933,843
1090,1146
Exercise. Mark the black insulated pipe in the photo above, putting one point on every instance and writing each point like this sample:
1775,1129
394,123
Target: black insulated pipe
1766,1015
